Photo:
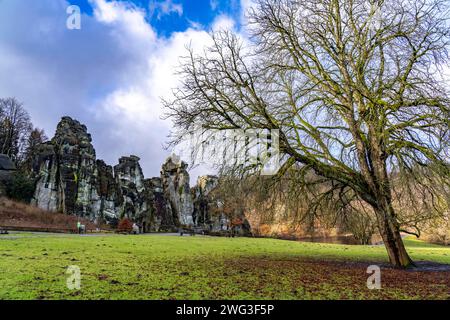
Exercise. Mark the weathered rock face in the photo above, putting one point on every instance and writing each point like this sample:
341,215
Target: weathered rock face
47,193
76,166
71,180
162,215
203,204
134,202
66,166
175,183
6,165
106,198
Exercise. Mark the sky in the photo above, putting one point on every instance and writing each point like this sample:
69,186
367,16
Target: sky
112,72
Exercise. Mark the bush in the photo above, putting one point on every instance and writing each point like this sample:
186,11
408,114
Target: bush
20,187
113,223
125,225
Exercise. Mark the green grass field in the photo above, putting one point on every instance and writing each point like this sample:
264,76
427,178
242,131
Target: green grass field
169,267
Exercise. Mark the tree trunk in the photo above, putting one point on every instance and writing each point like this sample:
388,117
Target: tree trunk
387,220
392,239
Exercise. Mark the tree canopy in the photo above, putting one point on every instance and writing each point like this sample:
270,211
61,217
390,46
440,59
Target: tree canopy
356,89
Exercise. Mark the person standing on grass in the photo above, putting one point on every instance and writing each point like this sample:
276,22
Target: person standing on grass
79,227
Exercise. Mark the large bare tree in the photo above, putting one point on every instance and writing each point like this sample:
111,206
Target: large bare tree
354,87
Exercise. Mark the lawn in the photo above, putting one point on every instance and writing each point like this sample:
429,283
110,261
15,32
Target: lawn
170,267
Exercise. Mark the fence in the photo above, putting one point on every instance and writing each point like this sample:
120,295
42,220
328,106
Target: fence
43,229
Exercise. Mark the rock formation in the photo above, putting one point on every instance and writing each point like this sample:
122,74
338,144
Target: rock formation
66,167
71,180
133,202
203,204
175,183
106,198
163,218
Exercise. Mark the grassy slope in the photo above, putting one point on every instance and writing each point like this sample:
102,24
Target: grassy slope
158,267
16,214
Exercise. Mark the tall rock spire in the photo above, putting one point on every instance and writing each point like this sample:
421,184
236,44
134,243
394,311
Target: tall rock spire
175,180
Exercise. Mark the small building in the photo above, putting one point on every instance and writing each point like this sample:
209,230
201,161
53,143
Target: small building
7,168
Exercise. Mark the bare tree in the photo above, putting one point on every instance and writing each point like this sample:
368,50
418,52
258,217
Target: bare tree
36,138
15,128
354,87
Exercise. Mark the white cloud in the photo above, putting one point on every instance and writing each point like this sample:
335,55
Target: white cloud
223,22
110,75
246,5
136,103
127,18
214,4
166,7
195,25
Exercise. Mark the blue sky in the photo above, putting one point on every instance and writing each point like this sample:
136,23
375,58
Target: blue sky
202,12
112,73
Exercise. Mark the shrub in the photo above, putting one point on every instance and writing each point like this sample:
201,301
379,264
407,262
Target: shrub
113,223
125,225
20,187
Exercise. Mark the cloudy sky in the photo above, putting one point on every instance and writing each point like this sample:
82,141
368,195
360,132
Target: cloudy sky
110,74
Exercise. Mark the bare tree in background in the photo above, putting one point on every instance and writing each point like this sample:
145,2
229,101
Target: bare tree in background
15,128
354,87
36,138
